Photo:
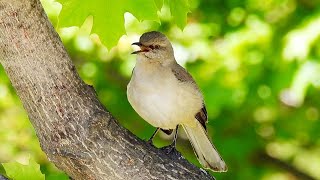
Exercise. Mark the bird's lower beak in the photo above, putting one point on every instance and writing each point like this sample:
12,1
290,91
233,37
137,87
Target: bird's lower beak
142,48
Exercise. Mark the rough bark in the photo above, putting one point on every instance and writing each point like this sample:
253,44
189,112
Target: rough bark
75,131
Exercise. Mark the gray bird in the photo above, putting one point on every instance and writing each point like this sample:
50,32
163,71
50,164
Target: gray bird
165,95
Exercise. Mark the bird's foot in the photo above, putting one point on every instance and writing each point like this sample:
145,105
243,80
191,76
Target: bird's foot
170,149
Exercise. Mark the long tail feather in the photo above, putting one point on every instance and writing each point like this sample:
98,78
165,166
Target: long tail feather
207,154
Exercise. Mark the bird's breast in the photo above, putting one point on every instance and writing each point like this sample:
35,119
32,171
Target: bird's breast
161,99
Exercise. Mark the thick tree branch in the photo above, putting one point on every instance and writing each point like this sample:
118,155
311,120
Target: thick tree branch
75,131
3,178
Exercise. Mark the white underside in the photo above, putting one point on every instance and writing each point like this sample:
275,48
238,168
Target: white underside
162,100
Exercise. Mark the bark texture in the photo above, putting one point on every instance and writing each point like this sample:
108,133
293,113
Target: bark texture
75,131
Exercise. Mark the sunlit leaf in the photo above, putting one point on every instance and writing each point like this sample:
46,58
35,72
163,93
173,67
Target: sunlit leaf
179,10
142,9
159,3
19,171
108,15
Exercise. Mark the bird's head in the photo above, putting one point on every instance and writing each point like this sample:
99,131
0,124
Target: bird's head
154,46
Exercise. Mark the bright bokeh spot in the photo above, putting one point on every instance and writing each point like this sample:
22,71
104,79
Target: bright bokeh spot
298,42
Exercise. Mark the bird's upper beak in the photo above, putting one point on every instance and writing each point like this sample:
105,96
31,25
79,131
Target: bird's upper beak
142,48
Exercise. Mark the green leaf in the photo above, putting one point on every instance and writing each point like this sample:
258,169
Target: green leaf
17,171
179,10
108,15
143,9
159,4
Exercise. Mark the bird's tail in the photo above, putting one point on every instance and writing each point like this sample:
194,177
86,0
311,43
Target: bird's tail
206,153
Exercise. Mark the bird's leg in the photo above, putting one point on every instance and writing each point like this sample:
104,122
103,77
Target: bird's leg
153,135
172,146
174,142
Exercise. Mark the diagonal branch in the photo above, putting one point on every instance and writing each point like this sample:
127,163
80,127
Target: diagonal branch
75,131
283,165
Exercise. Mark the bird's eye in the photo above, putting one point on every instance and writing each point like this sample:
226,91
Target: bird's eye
151,46
157,46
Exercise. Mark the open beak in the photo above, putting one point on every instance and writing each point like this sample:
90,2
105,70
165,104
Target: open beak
142,48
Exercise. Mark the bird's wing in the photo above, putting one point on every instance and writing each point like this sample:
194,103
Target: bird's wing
202,116
182,75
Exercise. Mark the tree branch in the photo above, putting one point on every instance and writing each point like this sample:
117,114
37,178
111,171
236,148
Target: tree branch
75,131
3,177
283,165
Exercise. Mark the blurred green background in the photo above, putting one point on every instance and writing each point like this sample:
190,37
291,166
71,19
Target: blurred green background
257,63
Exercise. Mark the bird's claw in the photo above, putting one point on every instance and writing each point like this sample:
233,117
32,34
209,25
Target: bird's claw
170,149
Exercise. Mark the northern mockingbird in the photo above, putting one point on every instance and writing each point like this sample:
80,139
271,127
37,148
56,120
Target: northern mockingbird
165,95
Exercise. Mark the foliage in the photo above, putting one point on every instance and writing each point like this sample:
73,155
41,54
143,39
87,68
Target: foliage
74,13
19,171
257,63
109,14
